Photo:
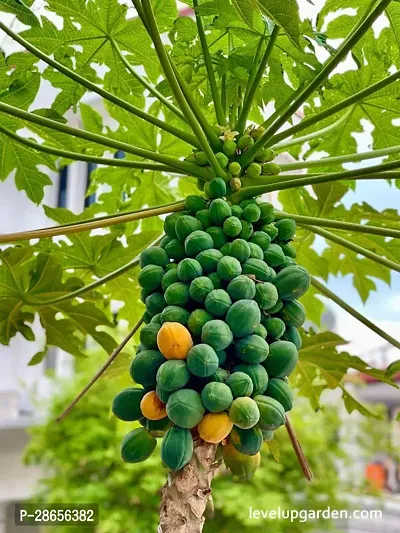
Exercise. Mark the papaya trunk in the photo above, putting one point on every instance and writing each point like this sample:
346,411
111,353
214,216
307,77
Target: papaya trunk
186,493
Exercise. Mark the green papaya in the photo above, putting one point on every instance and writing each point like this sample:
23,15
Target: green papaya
137,446
177,448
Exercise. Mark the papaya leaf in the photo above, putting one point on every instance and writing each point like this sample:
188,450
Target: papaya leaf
286,14
275,449
21,10
37,358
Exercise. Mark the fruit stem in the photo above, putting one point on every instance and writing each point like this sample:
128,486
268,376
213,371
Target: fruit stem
98,283
353,312
340,225
354,247
176,89
351,40
112,357
341,159
103,140
241,124
75,156
152,90
93,224
298,450
219,113
180,134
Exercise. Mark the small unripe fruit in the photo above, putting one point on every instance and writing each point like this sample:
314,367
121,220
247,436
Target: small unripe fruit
253,170
229,148
222,159
245,142
201,159
266,155
235,184
271,169
256,133
235,169
191,158
219,130
216,188
200,185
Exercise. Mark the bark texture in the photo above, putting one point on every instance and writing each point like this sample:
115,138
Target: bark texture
186,494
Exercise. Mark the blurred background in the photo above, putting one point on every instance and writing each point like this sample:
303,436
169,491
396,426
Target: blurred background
356,461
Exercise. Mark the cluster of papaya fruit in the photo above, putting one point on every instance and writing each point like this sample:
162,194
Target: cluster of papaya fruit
221,335
232,146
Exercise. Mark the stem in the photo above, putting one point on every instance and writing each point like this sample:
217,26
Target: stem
112,357
190,139
152,90
198,113
282,146
375,172
241,124
351,40
331,295
170,76
190,168
219,113
75,156
352,100
342,159
87,226
354,247
298,450
339,225
98,283
186,492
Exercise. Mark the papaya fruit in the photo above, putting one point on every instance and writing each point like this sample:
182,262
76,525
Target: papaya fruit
271,230
216,397
258,268
261,331
218,236
240,250
215,427
155,303
251,212
241,465
262,239
200,288
228,268
218,284
185,409
173,375
291,334
243,317
272,413
176,448
217,334
217,187
240,384
170,223
286,229
241,288
217,302
204,218
247,230
247,441
293,313
148,335
196,321
266,295
194,203
209,260
232,226
157,428
152,407
153,255
174,313
280,391
202,361
274,255
137,446
177,294
150,277
292,282
197,242
219,210
162,394
189,269
252,349
275,327
282,359
267,214
244,412
185,225
126,405
257,374
175,250
174,340
169,278
144,367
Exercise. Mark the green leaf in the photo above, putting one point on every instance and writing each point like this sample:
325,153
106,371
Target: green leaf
393,369
319,359
21,10
275,449
37,358
285,14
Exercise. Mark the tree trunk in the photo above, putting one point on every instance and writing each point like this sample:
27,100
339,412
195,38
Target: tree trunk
186,493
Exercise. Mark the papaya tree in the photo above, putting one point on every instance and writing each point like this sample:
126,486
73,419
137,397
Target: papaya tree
189,117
